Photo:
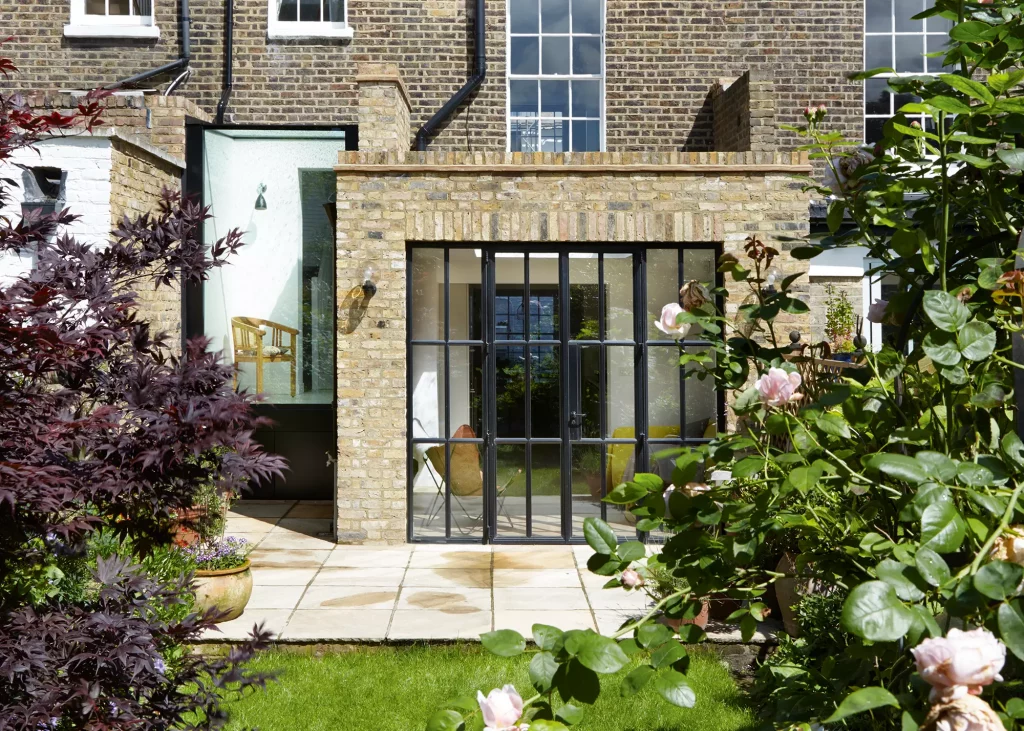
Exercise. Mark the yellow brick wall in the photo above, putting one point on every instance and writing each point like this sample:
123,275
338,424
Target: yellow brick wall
137,179
388,200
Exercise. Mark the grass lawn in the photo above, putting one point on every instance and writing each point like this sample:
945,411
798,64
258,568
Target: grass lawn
398,688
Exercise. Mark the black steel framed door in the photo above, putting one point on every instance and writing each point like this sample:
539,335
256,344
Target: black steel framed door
536,385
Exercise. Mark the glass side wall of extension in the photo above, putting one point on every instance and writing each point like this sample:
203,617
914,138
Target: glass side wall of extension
537,383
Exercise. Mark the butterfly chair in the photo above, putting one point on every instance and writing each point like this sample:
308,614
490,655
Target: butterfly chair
466,480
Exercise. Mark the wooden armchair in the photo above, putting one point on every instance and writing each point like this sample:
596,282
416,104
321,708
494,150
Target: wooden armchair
247,335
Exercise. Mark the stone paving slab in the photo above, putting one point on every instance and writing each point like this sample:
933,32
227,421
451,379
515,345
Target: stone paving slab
307,589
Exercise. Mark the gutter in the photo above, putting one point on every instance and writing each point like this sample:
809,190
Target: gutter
181,63
479,74
229,74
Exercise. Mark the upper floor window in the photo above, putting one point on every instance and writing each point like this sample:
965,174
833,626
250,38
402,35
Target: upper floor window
112,18
893,39
308,19
556,75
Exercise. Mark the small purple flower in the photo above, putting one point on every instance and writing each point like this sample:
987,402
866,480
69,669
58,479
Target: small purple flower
160,666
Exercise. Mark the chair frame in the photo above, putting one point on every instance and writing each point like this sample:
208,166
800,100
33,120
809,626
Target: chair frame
247,340
438,503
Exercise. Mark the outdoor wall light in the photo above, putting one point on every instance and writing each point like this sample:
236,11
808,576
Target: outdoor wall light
769,281
261,202
370,278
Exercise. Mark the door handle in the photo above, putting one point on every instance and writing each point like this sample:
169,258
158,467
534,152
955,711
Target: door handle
576,419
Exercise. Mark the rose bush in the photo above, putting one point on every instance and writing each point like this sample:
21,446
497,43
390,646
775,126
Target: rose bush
894,490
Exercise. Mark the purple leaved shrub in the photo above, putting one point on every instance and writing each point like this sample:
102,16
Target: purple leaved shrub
104,431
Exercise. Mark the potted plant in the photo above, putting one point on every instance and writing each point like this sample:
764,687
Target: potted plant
223,579
660,583
205,518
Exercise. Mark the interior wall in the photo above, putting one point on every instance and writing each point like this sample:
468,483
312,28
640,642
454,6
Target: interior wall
265,279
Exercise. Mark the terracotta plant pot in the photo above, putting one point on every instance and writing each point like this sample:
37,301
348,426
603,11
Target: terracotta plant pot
184,534
223,590
701,620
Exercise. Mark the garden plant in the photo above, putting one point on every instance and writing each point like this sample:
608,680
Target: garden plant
106,437
895,490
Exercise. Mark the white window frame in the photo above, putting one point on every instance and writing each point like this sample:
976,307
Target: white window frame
283,29
84,25
570,77
895,35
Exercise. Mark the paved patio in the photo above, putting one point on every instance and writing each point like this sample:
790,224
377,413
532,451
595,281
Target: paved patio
308,589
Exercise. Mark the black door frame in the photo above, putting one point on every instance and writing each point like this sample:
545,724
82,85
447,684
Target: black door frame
288,417
567,379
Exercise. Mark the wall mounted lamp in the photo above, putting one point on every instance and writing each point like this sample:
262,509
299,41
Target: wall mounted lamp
261,202
370,278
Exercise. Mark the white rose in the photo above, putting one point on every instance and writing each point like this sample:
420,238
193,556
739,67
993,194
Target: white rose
960,660
501,708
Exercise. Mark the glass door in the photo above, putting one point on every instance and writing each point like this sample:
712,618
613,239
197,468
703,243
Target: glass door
536,386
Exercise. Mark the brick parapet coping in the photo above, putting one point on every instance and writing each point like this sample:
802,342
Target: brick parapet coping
584,163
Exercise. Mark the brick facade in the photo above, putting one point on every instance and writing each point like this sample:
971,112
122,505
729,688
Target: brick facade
139,173
662,59
388,200
744,114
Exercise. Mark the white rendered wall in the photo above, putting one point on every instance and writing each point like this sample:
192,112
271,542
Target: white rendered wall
87,162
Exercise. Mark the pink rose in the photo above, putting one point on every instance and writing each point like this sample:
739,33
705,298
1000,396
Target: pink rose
631,579
777,387
667,324
960,663
876,312
1010,545
967,713
501,708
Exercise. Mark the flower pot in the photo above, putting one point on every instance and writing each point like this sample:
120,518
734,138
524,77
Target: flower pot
701,620
225,591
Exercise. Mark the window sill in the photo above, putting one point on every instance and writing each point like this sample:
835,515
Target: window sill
313,31
111,31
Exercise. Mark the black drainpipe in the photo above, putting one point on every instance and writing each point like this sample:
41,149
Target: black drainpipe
479,74
229,76
181,63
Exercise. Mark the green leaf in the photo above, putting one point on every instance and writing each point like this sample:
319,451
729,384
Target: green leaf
945,311
973,31
574,681
626,493
931,566
973,474
874,612
904,579
504,642
668,654
805,252
999,580
1011,629
862,700
1014,159
907,722
1013,448
543,667
937,465
804,478
870,73
970,87
569,713
941,347
600,536
672,686
942,528
653,635
1015,708
898,466
446,721
948,104
748,466
977,340
834,425
632,551
635,681
603,564
602,654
